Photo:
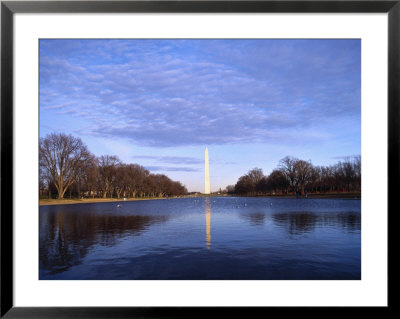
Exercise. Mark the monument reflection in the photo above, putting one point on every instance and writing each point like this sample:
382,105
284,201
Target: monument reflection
208,222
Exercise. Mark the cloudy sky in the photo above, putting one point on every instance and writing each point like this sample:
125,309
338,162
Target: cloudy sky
159,103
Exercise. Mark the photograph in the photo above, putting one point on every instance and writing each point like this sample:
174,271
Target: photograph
199,159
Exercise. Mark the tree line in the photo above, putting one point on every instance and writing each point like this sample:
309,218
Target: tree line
66,166
298,176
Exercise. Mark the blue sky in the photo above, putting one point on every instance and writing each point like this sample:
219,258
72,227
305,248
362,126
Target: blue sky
159,103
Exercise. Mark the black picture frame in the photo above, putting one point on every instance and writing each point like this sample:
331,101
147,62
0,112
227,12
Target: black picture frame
9,8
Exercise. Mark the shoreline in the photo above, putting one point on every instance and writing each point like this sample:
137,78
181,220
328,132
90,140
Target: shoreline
318,196
350,195
69,201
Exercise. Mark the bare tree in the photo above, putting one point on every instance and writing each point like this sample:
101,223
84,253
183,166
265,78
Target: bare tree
347,172
277,181
244,185
357,170
230,189
62,156
296,174
303,172
136,175
107,173
255,175
249,182
287,166
87,179
44,182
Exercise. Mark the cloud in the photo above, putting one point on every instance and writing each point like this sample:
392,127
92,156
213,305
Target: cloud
345,157
196,92
171,169
172,159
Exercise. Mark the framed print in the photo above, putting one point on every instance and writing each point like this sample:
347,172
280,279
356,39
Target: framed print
225,155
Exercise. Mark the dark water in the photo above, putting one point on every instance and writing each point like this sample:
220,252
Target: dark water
202,238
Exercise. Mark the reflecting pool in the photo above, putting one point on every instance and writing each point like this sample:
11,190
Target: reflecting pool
203,238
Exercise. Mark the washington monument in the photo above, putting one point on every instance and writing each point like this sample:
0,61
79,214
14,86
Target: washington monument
206,173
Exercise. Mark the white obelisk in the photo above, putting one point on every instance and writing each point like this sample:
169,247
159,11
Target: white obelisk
207,173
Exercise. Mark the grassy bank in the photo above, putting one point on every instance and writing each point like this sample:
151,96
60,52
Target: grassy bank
316,195
65,201
337,195
45,201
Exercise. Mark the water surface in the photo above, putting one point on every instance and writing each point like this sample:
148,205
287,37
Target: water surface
202,238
